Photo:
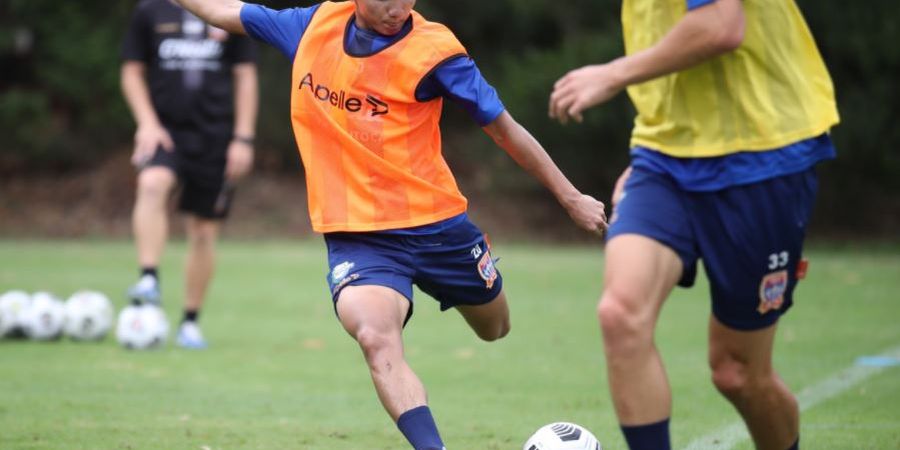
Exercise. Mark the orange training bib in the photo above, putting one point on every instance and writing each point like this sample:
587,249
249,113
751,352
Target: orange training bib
371,151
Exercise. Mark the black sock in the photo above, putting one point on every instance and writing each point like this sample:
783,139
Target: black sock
150,271
190,316
653,436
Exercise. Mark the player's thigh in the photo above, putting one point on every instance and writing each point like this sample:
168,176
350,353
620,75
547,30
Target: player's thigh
650,246
489,320
162,170
751,240
372,310
357,260
639,274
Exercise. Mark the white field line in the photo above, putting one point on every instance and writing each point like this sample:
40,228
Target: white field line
726,437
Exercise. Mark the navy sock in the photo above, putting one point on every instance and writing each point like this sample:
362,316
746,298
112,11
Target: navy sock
653,436
420,430
796,445
150,271
190,316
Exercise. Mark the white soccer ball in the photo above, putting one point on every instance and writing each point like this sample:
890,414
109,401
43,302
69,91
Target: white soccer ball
562,436
43,319
142,327
12,305
89,316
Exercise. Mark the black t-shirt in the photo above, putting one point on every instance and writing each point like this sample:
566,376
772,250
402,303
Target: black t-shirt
189,65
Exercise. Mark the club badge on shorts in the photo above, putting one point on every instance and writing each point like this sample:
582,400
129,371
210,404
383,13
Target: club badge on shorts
340,271
341,276
771,291
487,270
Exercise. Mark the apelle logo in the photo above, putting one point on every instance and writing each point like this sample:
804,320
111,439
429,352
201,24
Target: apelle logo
342,100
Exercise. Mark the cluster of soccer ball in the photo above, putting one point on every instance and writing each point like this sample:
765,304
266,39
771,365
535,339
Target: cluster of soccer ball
42,316
85,316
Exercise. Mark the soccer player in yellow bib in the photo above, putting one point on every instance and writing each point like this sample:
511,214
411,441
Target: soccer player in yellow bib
734,106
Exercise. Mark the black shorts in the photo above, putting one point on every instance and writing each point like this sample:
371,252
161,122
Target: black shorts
198,162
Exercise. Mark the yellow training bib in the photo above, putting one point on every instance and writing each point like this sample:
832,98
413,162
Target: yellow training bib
772,91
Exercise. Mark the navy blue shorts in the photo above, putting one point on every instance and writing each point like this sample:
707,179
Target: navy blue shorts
454,265
750,238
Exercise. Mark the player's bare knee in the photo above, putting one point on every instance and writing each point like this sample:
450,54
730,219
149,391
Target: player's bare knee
203,242
730,377
624,333
154,184
504,330
371,341
494,333
202,233
615,318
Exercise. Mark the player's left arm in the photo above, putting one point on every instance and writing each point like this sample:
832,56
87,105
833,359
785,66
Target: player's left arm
703,33
246,106
460,80
586,211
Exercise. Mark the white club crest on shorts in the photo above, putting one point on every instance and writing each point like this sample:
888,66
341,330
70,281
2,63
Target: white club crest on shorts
340,271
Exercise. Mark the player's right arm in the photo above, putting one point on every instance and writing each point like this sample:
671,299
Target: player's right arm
150,134
714,28
225,14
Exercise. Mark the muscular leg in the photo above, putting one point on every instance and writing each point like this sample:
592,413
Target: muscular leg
639,275
489,321
200,261
741,363
373,315
149,219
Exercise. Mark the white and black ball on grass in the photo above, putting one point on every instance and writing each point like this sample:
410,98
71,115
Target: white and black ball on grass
12,306
562,436
142,327
44,318
89,316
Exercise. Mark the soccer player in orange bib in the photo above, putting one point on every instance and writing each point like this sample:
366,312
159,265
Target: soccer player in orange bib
369,77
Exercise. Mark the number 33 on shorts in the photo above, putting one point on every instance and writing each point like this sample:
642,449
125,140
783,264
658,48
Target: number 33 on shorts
778,260
774,285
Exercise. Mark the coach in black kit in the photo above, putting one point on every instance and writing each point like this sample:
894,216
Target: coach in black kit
192,90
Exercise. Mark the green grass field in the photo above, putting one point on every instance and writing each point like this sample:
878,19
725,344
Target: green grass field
282,374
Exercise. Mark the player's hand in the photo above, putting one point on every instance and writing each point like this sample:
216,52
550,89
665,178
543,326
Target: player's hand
147,139
581,89
240,160
619,190
588,213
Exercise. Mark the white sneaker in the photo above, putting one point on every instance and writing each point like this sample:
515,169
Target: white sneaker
189,336
146,290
